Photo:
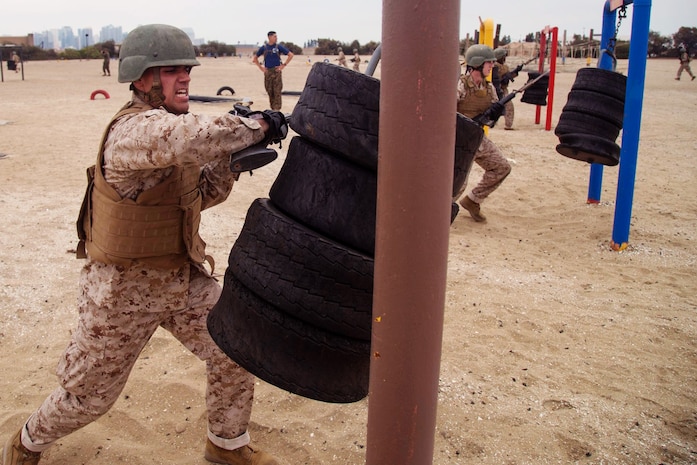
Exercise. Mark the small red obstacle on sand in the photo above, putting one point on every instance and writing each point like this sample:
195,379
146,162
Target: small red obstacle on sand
99,92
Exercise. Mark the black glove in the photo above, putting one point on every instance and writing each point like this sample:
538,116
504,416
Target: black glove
278,126
490,116
277,121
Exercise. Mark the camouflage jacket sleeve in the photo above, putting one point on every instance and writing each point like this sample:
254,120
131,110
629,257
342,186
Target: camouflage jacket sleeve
141,149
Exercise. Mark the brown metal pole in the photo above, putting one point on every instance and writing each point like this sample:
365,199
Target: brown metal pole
419,70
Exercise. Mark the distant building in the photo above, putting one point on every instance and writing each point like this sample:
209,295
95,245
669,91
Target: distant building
66,37
111,33
246,50
26,41
194,40
60,39
85,38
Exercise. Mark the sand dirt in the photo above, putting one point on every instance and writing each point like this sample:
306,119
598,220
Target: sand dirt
556,349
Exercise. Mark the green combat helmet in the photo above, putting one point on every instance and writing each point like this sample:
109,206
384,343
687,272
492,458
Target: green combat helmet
479,54
500,52
154,45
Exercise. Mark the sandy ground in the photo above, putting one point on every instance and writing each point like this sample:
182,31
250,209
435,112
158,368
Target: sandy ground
556,349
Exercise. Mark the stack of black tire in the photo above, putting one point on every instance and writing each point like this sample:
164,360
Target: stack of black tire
296,306
592,118
536,94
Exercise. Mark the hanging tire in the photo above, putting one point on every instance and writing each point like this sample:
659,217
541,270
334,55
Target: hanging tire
601,81
603,106
303,273
225,89
468,138
589,148
339,109
327,193
454,210
338,198
537,93
285,351
576,122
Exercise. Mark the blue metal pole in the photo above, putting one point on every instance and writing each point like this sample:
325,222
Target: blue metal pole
595,182
636,75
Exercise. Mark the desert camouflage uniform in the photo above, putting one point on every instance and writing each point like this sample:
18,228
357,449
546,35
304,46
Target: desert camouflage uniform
121,307
273,83
684,58
489,156
509,110
356,62
342,59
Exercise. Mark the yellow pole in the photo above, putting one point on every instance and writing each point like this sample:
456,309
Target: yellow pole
486,37
486,32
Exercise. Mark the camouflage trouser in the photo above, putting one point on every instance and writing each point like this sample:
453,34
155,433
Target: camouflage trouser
684,67
496,169
103,349
508,116
509,111
273,82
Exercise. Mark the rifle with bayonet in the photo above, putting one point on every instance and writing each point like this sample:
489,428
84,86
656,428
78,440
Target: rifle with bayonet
509,76
490,116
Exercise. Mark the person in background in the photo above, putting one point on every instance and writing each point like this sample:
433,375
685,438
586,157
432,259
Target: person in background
356,60
156,161
342,58
475,96
106,62
684,57
16,60
505,76
273,68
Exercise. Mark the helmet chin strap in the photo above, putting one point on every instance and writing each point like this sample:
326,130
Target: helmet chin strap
154,97
478,68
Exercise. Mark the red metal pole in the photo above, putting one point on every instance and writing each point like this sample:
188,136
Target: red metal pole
552,74
419,70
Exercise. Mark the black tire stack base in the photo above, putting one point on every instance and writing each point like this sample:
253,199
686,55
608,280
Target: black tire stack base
296,306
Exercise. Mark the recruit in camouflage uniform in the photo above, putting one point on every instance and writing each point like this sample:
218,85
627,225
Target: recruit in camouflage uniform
684,57
342,58
128,288
473,98
503,71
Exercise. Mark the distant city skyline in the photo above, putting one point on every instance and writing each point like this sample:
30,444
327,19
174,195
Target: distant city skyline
68,37
299,21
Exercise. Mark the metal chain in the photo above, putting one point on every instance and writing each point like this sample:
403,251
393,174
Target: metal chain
613,40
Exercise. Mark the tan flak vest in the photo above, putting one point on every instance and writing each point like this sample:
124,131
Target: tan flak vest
159,228
476,100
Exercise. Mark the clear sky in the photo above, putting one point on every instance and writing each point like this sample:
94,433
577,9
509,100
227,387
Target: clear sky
235,21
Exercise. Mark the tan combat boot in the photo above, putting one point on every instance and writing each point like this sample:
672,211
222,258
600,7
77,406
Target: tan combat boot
473,208
245,455
15,453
